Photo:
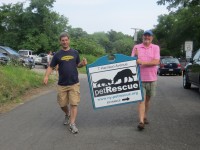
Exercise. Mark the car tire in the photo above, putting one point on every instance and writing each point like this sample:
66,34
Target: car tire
186,84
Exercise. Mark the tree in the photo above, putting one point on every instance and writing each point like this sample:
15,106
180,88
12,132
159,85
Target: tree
36,27
174,29
180,3
102,39
76,33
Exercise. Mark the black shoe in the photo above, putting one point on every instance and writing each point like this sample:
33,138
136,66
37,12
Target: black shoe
140,126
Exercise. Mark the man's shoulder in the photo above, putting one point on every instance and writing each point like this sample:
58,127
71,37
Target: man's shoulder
154,45
73,50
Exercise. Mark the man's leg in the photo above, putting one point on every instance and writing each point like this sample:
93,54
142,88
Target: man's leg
141,111
74,99
62,99
73,111
65,110
147,102
150,92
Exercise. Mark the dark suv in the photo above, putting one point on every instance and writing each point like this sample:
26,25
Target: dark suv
191,73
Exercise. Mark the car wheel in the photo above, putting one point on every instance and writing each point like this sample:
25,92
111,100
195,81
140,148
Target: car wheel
180,74
186,84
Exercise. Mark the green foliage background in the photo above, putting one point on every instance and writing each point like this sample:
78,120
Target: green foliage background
180,25
37,27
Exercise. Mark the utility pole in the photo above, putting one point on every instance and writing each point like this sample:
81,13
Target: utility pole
136,33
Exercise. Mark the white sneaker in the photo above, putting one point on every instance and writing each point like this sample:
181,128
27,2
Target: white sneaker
73,128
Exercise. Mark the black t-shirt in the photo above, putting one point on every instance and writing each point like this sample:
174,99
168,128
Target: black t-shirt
67,61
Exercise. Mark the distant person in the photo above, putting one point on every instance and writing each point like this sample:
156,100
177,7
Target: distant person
49,57
148,58
67,60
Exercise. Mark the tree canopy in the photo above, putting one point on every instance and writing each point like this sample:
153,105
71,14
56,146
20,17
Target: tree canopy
178,3
37,27
179,26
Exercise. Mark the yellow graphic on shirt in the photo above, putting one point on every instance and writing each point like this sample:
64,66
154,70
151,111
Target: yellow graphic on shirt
67,58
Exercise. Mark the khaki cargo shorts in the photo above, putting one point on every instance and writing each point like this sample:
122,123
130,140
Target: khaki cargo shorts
149,88
68,95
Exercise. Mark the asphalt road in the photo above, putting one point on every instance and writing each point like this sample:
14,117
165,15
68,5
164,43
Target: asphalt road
174,123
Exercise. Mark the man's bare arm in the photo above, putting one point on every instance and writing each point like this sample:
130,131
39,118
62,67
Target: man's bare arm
150,63
46,77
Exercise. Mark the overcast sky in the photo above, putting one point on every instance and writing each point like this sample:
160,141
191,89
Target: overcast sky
104,15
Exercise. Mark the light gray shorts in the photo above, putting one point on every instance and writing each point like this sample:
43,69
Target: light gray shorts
149,88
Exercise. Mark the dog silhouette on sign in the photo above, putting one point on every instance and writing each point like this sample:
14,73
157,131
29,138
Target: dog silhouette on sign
126,73
103,82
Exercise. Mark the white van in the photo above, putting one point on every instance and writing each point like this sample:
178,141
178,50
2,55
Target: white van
27,53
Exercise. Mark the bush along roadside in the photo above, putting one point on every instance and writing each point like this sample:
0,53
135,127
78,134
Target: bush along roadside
15,81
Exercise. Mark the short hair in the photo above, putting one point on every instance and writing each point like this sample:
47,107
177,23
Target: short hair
64,34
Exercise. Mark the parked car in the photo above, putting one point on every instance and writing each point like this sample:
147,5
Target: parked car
191,73
38,59
45,61
16,58
4,60
170,66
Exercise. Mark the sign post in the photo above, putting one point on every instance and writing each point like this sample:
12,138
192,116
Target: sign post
114,82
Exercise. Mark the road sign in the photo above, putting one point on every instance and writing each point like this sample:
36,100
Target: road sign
188,54
114,82
188,45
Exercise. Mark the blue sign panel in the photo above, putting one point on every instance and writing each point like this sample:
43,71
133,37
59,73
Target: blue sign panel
114,82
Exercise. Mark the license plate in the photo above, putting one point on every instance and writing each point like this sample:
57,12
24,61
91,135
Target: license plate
170,69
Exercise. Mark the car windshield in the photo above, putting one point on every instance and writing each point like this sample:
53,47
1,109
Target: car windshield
23,52
42,55
170,60
10,50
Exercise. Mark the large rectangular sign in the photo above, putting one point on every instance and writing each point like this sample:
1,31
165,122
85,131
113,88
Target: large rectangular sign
114,82
188,45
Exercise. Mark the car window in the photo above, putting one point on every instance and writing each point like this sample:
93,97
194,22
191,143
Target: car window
11,51
197,56
170,60
23,52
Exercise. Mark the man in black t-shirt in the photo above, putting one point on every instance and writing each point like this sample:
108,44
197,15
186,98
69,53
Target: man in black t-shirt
67,61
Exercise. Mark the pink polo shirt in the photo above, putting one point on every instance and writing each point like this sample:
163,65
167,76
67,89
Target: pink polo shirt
146,54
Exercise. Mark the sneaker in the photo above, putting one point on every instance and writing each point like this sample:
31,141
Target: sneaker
140,126
73,128
66,121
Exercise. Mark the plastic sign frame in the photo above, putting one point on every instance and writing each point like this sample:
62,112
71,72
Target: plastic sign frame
114,82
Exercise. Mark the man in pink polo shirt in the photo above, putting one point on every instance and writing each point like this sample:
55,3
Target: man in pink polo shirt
148,58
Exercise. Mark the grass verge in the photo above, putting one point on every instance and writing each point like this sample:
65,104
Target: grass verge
15,81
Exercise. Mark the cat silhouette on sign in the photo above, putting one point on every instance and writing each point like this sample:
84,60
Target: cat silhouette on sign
126,73
103,82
